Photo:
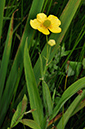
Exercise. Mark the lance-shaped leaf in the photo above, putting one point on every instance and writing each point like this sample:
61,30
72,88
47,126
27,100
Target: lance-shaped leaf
6,55
70,110
35,101
47,98
2,4
79,107
30,123
71,90
19,113
18,61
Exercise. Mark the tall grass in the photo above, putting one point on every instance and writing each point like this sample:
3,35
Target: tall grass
24,69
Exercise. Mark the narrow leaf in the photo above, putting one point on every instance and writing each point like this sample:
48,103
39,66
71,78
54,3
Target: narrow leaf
30,123
18,61
74,88
70,110
79,107
19,113
6,55
2,5
47,98
35,101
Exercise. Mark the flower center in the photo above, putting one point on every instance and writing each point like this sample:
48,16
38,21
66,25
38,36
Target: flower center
47,23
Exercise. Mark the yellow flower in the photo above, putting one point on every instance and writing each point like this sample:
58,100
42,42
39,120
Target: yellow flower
43,24
51,42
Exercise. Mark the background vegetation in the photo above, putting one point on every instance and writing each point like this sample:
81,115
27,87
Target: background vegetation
26,99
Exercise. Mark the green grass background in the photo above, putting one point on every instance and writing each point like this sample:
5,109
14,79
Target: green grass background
21,66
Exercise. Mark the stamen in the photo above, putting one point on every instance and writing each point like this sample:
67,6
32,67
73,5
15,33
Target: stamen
47,23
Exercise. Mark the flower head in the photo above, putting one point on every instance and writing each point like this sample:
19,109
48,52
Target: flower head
43,24
51,42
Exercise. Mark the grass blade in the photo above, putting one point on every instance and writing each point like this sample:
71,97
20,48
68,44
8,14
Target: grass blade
75,87
30,123
2,5
6,55
11,81
19,113
47,98
70,110
79,107
35,101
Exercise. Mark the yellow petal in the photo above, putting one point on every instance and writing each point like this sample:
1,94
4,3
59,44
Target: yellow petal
43,29
41,17
51,42
54,20
34,23
55,29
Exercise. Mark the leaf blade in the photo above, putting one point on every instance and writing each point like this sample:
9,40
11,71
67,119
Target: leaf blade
17,64
47,97
19,113
75,87
2,4
30,123
6,55
35,101
70,110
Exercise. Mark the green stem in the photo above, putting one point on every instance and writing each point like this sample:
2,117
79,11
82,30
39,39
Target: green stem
46,56
47,50
65,83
